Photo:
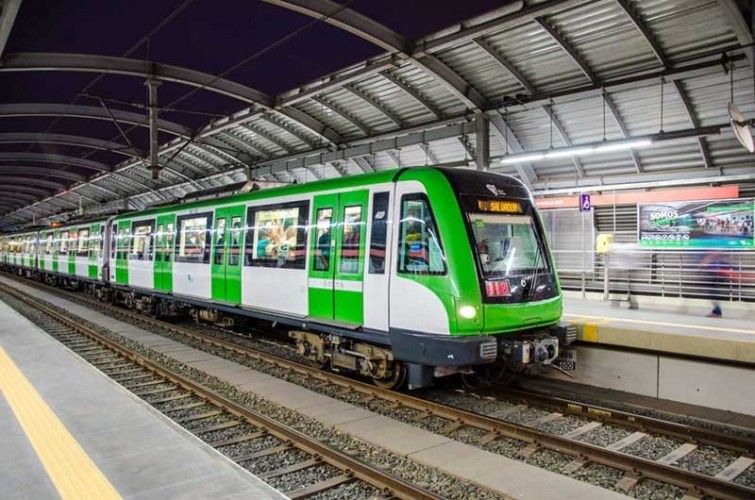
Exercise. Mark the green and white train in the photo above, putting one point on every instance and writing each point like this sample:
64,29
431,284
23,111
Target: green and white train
418,272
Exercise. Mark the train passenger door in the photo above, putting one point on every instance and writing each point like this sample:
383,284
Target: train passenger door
227,239
93,249
122,247
164,249
322,250
336,267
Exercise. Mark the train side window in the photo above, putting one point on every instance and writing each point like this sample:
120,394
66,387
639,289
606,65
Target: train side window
113,241
276,235
141,241
350,239
419,250
321,261
73,241
63,243
194,236
49,245
235,243
220,242
379,232
102,238
83,247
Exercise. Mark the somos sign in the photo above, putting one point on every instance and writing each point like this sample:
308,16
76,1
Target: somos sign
721,224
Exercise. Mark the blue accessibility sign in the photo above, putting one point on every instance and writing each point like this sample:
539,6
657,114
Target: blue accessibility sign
585,205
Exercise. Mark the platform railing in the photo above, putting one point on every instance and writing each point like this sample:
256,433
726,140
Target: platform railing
719,275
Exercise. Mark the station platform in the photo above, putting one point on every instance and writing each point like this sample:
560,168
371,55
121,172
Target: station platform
665,327
509,477
70,432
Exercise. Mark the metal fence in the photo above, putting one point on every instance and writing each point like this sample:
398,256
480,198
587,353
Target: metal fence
728,276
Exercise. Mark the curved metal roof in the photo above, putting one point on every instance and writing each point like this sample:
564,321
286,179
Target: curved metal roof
527,76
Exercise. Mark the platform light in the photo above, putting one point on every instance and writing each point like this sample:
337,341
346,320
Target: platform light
618,146
468,312
521,158
581,150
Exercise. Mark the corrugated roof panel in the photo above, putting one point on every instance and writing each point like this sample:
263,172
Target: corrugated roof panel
430,87
481,71
395,101
689,27
321,112
605,39
362,111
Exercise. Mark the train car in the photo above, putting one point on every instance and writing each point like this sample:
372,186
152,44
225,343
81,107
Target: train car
420,272
19,251
73,253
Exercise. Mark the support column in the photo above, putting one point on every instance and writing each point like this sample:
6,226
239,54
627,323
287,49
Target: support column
154,145
482,142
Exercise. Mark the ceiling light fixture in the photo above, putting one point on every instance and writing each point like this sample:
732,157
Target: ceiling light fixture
580,150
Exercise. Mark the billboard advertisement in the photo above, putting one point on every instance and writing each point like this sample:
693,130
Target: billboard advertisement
719,224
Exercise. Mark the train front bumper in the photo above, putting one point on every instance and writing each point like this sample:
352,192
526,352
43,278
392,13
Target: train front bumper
443,350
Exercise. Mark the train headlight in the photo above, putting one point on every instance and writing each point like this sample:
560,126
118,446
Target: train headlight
468,312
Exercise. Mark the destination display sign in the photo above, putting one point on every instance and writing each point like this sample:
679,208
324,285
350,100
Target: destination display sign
719,224
499,206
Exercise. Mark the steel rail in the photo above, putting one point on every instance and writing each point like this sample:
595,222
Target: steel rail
693,482
360,470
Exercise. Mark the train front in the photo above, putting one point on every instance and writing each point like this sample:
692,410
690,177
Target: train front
519,299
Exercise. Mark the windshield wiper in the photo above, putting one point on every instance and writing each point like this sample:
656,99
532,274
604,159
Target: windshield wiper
534,276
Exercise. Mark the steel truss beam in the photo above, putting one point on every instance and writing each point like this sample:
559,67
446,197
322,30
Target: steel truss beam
90,63
365,28
690,110
345,115
87,112
53,158
65,140
43,172
31,181
413,93
572,52
8,13
376,105
641,26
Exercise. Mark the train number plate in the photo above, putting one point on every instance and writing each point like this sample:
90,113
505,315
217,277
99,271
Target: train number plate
567,360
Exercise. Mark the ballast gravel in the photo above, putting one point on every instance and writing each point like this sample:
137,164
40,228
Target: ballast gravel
702,460
604,435
706,460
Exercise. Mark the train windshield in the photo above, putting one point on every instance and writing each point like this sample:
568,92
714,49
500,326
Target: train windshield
507,245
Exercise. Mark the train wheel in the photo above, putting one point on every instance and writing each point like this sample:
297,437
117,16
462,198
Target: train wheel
395,381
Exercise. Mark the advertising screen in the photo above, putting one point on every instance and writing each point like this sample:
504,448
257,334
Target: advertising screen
720,224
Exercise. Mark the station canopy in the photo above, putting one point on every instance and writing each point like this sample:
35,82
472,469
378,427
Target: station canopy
566,95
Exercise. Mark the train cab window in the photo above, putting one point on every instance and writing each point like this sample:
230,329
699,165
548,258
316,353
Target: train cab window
350,239
83,247
420,250
193,243
277,236
321,262
141,241
234,245
378,233
63,243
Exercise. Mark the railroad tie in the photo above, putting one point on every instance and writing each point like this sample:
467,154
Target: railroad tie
629,440
318,487
735,468
575,433
677,454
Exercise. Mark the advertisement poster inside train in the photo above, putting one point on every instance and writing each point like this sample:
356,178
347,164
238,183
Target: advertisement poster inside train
719,224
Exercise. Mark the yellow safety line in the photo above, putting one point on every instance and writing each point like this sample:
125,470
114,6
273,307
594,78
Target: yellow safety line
661,323
73,473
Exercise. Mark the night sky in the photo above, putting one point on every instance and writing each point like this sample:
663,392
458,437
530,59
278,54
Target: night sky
207,35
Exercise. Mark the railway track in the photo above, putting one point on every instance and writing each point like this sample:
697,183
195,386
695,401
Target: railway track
298,465
486,430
